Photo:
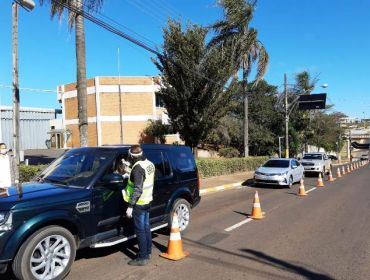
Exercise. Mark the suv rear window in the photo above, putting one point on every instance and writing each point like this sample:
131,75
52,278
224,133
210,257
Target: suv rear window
185,162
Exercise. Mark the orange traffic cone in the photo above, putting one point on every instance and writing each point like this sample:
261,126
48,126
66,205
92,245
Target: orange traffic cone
348,169
338,173
175,251
320,183
343,170
256,210
302,191
331,179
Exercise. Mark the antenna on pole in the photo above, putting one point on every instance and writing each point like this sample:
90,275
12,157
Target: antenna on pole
120,97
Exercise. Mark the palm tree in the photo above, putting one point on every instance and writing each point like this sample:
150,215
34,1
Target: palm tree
76,20
234,31
304,84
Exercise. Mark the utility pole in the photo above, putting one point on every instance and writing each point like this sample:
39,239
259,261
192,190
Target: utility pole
15,85
286,118
280,146
120,99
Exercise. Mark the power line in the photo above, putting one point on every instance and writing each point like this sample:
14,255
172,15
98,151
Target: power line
169,8
142,8
31,89
124,35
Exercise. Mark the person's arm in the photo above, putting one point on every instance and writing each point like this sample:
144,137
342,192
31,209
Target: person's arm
137,176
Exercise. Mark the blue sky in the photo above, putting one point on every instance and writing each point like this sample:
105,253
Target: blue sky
330,38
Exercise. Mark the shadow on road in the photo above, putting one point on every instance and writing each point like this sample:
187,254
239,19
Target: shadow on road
250,183
258,257
283,265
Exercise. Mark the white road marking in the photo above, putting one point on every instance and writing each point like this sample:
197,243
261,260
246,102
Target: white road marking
238,224
310,190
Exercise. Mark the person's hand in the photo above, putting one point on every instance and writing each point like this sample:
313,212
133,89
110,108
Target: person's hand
129,212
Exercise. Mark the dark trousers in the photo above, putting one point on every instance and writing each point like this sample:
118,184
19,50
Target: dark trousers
142,230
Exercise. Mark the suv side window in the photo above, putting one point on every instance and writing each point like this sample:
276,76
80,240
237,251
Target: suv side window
185,162
160,160
294,164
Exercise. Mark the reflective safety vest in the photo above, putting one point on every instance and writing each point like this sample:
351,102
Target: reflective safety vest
147,195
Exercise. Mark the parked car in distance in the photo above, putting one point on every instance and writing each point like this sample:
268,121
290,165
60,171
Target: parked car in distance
365,157
279,171
77,202
332,157
316,163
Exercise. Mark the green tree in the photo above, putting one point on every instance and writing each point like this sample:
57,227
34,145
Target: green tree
266,121
327,131
76,20
158,130
234,30
300,126
195,86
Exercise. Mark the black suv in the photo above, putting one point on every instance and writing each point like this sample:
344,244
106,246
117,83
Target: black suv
77,202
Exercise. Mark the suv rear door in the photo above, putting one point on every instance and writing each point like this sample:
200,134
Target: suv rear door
164,183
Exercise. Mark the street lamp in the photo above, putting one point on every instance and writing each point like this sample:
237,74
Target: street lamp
27,5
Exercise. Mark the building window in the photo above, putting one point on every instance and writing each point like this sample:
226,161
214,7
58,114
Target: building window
158,101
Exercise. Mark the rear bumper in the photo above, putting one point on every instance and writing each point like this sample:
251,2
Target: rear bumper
3,267
196,201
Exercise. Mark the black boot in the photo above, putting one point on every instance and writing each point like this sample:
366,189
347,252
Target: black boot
138,262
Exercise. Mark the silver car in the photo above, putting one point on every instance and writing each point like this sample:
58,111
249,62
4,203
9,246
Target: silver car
279,171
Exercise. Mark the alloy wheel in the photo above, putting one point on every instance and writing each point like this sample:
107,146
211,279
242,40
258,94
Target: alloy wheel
50,257
183,214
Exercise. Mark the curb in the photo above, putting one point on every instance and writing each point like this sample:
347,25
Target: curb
221,188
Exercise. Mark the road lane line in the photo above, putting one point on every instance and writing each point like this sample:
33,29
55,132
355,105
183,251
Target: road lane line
238,224
310,190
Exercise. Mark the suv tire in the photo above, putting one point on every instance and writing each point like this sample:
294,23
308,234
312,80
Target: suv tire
183,209
39,246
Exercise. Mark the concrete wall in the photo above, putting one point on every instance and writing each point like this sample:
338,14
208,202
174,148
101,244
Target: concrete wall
137,107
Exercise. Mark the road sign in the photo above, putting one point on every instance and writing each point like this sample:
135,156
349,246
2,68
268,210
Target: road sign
312,101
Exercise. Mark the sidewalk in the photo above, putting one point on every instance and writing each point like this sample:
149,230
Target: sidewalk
224,182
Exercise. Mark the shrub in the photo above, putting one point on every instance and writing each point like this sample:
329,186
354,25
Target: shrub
228,152
216,167
27,172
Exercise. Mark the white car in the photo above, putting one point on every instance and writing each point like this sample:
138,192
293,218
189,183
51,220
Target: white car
316,163
279,171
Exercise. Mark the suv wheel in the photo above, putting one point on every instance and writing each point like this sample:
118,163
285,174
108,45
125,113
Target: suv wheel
183,210
46,254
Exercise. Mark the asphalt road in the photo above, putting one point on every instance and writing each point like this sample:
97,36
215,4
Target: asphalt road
322,236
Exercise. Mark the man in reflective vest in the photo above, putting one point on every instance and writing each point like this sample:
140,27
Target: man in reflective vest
139,194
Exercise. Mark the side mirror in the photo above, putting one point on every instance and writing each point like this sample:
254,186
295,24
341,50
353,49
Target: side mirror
112,179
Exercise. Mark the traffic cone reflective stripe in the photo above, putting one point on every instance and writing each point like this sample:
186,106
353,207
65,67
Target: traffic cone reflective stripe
302,191
331,179
338,173
343,170
256,210
348,169
175,251
320,183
